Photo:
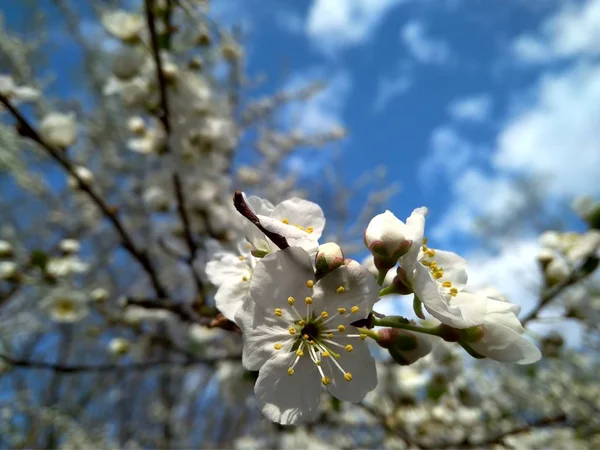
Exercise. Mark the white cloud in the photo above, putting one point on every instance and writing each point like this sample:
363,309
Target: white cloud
323,110
476,108
390,88
476,195
337,24
558,136
573,31
424,48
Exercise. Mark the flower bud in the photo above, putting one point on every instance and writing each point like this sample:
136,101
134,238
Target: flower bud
69,246
83,173
136,125
329,257
556,272
99,295
59,130
119,346
545,257
385,239
9,271
6,249
404,347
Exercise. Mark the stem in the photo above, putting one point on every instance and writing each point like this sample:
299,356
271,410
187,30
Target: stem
394,322
372,334
381,277
388,290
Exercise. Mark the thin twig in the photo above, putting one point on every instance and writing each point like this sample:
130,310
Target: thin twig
27,130
242,207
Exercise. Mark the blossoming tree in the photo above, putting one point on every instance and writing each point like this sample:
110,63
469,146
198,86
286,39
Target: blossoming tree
157,293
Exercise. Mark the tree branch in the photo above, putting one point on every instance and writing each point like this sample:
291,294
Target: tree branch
26,130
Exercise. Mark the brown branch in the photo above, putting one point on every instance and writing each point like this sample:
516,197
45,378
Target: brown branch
553,292
242,207
74,369
26,130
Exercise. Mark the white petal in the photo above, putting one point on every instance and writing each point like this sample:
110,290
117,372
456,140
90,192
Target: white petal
303,213
294,236
455,268
230,296
280,275
415,231
259,205
359,363
260,334
288,399
504,344
359,289
226,267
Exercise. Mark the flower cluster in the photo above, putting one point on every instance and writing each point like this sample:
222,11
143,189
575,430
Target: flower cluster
306,312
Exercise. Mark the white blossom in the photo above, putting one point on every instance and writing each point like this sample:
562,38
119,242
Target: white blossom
299,221
8,270
15,93
385,236
500,337
65,305
298,334
69,246
59,130
119,346
6,249
156,199
83,173
122,25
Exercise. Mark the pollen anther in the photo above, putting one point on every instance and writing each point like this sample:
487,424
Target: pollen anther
291,301
348,376
326,381
341,328
447,284
348,348
292,330
340,290
342,310
286,221
453,292
310,284
354,309
278,312
290,371
278,346
363,336
308,300
324,315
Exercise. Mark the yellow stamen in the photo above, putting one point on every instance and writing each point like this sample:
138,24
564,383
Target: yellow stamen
447,284
299,352
354,309
291,301
310,284
426,263
305,336
324,315
348,376
310,230
453,292
302,322
285,221
244,278
241,258
424,241
326,381
363,336
342,310
292,330
278,346
290,371
340,290
278,312
341,328
348,348
326,354
308,300
430,253
330,335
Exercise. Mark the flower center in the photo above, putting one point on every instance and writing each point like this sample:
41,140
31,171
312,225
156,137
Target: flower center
311,330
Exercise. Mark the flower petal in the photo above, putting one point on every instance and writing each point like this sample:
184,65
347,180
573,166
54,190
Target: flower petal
302,213
260,333
226,267
230,296
348,286
501,343
288,399
455,268
359,363
281,275
415,232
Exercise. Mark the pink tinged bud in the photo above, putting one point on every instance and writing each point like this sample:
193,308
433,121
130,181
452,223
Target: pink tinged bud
397,339
401,284
329,257
385,237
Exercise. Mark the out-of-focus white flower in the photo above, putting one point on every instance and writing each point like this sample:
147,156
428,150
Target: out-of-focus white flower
500,335
295,347
152,141
69,246
233,384
99,294
128,61
82,172
65,305
122,25
249,175
587,245
135,315
15,93
231,273
217,133
136,125
200,335
59,130
119,346
557,271
156,199
66,265
134,93
6,249
8,270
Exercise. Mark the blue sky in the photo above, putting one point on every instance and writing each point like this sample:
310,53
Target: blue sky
457,98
